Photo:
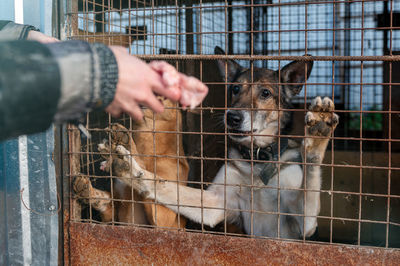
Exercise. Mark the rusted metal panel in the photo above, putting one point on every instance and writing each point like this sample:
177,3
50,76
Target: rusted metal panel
92,244
64,257
71,206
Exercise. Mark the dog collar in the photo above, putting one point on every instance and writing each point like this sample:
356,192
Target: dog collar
269,153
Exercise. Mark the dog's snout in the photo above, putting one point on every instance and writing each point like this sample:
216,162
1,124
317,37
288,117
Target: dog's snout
234,118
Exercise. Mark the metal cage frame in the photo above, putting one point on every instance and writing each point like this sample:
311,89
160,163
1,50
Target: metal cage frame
85,238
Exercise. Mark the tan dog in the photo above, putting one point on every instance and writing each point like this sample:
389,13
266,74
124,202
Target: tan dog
166,144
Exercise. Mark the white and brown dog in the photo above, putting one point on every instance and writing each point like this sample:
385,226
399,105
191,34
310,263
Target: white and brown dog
264,182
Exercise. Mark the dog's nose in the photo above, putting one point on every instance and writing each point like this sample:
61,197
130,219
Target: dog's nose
234,118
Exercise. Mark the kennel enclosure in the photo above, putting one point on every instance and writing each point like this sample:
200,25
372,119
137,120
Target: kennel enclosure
355,46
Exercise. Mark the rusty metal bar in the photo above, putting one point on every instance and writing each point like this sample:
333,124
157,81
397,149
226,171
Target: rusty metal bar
390,132
229,31
386,58
98,244
279,4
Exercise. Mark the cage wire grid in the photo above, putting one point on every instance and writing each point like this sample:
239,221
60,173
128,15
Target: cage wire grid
355,47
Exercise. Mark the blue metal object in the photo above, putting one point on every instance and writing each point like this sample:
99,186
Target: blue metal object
28,190
7,10
28,201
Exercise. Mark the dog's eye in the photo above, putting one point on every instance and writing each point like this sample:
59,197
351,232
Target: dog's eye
235,89
265,94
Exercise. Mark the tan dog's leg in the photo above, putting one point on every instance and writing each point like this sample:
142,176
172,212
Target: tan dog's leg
321,121
168,168
127,212
98,199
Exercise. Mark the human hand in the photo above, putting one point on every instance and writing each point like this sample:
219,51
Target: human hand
40,37
193,91
138,84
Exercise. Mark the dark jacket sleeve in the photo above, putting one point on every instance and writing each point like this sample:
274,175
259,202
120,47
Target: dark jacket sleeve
41,84
10,31
29,88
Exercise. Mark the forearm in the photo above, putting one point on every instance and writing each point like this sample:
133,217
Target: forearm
89,75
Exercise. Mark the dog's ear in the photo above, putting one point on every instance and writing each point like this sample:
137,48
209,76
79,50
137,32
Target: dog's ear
233,68
295,72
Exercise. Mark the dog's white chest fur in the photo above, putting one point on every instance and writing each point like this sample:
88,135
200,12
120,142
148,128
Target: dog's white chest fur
259,204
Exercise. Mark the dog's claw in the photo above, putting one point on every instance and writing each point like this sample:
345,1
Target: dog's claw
139,174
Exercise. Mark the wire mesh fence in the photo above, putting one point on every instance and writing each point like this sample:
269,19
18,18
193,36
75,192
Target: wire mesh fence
355,50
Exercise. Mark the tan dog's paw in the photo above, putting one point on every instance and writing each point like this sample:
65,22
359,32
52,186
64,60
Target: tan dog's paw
82,186
120,135
321,120
103,147
98,199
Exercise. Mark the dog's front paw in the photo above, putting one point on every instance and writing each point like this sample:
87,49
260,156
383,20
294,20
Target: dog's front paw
82,186
103,148
120,135
121,150
136,170
321,120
